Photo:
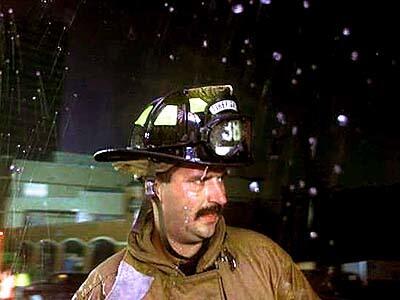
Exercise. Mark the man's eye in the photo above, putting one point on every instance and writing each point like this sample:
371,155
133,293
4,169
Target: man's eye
199,182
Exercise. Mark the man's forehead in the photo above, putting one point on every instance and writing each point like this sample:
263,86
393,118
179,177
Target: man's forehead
200,170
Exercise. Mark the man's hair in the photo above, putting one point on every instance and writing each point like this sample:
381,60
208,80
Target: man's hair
165,177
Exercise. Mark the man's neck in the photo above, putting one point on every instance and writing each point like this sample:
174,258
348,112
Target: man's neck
184,250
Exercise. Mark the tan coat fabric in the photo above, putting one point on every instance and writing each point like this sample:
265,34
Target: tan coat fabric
238,264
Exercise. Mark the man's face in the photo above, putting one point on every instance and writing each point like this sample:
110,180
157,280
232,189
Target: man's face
192,203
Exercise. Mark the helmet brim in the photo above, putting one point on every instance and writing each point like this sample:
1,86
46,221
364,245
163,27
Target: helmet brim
129,154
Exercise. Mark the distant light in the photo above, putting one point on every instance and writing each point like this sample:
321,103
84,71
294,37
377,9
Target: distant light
254,187
276,56
237,8
342,120
265,1
35,190
82,216
346,31
313,235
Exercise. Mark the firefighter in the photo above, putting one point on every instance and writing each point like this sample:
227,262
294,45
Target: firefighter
180,247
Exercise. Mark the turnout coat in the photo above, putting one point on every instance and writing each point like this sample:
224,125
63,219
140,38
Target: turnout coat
238,264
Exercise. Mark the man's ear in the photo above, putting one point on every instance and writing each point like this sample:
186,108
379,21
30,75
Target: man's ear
157,189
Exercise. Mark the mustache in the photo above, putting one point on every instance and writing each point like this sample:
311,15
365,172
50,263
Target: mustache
215,209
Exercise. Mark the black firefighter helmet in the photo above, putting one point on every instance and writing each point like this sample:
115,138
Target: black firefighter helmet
201,126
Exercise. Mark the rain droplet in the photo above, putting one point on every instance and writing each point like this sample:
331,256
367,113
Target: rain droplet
205,44
171,9
302,184
354,55
306,4
313,191
276,56
294,130
299,71
281,118
313,235
294,81
254,187
224,60
246,41
312,140
337,169
10,10
346,31
237,8
342,120
171,57
249,62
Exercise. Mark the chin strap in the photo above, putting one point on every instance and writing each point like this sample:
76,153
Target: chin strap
151,197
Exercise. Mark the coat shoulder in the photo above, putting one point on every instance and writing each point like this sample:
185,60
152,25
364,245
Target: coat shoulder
101,278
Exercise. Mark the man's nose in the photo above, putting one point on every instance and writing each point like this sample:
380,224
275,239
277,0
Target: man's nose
216,191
